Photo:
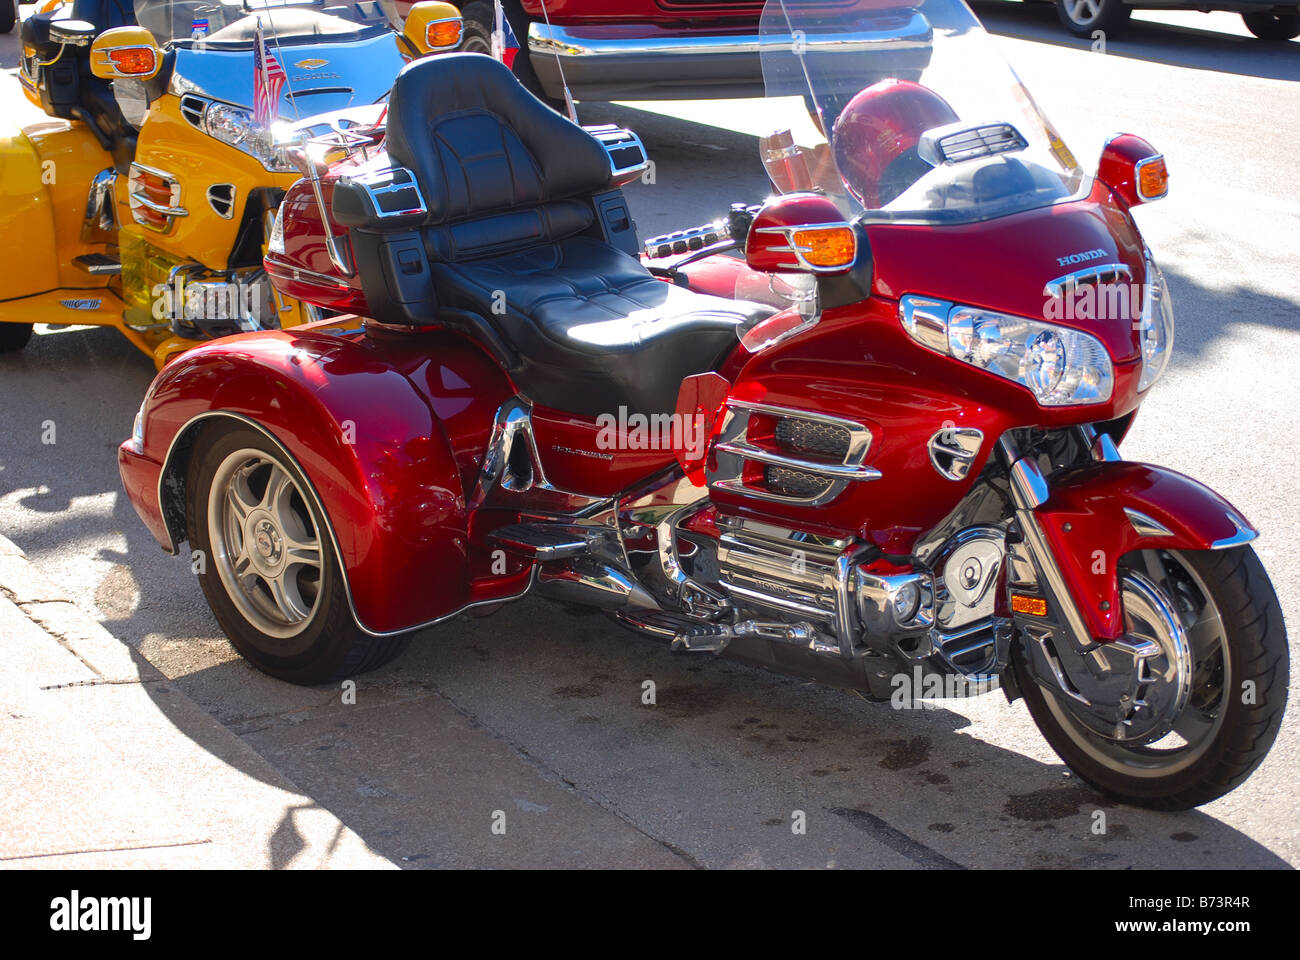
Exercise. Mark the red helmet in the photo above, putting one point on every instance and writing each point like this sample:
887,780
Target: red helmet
875,138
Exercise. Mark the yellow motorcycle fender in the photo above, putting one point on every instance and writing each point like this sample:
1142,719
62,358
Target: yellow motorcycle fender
46,169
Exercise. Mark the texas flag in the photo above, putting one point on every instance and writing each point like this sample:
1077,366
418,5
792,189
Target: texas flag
268,81
504,44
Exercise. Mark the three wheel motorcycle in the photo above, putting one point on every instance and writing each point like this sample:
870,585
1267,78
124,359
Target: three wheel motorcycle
882,444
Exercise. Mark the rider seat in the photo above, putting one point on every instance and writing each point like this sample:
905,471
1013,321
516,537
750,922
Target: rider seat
511,238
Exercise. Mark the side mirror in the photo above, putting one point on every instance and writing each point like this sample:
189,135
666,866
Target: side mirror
801,233
432,27
125,53
1133,169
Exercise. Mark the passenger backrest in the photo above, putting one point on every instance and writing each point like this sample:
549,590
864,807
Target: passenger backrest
484,148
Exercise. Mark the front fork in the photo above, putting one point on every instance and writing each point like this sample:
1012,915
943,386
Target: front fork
1064,573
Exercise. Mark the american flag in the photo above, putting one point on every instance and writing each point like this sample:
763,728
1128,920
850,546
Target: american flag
268,81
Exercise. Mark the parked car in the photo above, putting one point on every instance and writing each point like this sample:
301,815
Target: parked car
1265,19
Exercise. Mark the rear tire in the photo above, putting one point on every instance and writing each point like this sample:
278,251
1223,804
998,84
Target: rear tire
14,336
1084,17
1239,734
269,571
1273,26
8,15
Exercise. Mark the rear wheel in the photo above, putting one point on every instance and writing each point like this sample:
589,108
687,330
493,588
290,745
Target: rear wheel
1083,18
268,567
1218,624
1273,26
8,15
14,336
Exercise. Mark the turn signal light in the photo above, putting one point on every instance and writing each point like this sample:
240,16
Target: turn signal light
441,34
132,60
826,246
1153,178
1034,606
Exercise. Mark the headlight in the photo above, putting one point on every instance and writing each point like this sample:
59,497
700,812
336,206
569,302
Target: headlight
234,126
1156,327
1060,366
228,124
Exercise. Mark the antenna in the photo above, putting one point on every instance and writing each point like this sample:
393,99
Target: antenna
568,97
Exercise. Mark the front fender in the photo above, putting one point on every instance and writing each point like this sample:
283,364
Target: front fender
367,439
1098,513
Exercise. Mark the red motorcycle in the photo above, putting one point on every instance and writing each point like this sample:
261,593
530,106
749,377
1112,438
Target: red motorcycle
881,450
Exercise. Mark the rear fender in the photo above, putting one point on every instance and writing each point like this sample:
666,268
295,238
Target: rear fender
26,218
1098,513
367,439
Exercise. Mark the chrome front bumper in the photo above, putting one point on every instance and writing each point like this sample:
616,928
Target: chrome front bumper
646,62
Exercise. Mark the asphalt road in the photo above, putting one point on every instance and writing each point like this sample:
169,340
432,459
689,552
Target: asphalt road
537,712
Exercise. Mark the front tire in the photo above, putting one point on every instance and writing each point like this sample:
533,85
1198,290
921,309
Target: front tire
14,336
1239,679
267,564
1083,18
1273,26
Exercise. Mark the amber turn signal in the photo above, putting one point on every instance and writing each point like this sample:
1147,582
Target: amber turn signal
133,61
1152,178
1034,606
442,34
826,246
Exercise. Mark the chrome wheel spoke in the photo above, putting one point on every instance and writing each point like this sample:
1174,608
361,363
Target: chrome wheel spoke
284,591
240,498
279,489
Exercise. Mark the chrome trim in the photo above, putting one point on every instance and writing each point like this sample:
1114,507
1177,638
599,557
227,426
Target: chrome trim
135,200
1245,534
964,449
732,443
970,141
613,137
800,261
1100,274
338,553
1028,484
1030,490
1146,526
1102,445
566,45
1137,179
926,320
834,471
218,200
105,62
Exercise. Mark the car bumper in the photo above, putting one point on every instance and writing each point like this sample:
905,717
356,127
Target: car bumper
649,62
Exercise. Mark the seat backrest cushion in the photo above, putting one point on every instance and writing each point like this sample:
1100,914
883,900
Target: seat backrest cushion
480,144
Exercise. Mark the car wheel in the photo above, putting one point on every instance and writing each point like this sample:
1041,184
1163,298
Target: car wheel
8,15
476,32
1273,26
266,563
14,336
1083,18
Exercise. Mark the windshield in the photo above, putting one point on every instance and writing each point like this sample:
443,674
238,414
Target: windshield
904,112
231,24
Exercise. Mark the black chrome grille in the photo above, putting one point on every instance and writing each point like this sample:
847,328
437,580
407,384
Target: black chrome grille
192,109
795,483
810,436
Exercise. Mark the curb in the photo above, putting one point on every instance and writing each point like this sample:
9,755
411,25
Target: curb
194,779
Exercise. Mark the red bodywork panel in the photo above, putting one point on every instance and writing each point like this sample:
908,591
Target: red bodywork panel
1116,167
420,410
1090,500
304,271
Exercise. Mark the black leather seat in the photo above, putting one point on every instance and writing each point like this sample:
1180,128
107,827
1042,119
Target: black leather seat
511,236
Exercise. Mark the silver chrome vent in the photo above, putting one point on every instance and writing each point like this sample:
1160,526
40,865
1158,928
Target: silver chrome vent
787,455
221,198
192,108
